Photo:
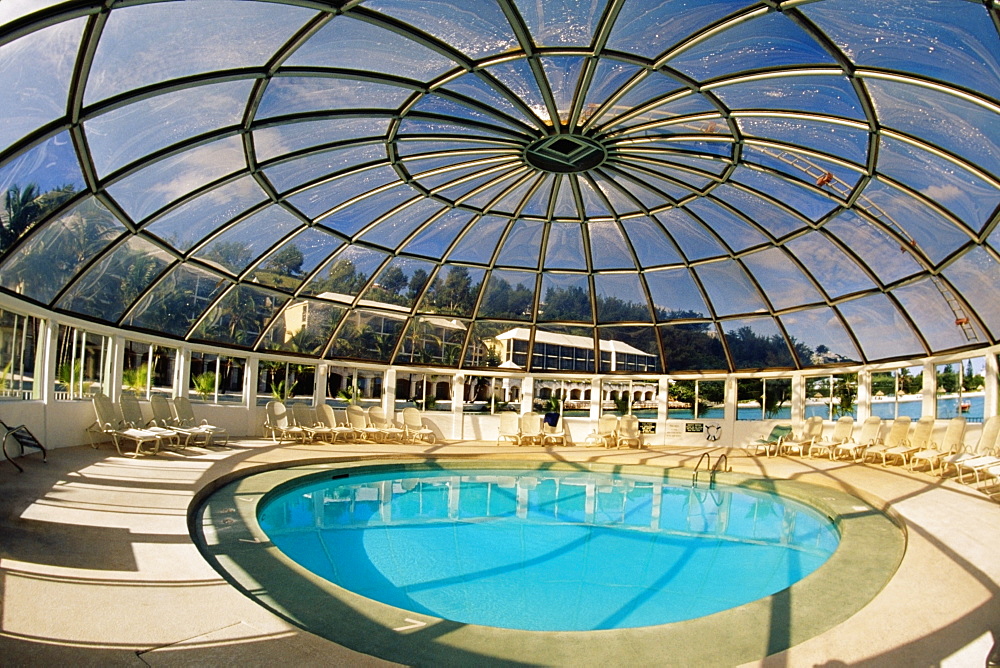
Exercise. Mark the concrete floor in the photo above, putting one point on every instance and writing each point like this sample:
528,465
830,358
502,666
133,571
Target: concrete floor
98,568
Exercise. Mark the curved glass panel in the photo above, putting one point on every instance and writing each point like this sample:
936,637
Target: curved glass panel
675,295
926,305
621,298
880,328
648,29
818,337
781,280
756,343
565,297
834,270
729,288
177,301
969,274
240,316
692,347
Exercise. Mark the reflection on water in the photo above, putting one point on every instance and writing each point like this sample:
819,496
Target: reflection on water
548,551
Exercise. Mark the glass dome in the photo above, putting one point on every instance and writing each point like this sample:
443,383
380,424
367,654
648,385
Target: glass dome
719,185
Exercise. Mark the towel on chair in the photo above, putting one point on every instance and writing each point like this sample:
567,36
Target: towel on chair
552,419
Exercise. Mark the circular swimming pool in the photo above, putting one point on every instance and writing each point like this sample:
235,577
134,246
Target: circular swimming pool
547,550
350,523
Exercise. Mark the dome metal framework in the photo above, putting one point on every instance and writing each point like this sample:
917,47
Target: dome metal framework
720,185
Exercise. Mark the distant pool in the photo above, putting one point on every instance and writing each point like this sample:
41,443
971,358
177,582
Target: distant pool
546,550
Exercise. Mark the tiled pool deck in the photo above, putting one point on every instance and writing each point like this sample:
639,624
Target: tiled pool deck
98,567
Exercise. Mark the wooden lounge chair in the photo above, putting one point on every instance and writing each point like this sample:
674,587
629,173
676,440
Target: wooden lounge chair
842,431
770,442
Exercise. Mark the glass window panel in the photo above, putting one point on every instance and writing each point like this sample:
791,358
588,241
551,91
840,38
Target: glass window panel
277,140
673,182
835,271
736,232
509,295
294,173
177,301
835,179
537,204
240,316
880,328
832,396
35,184
460,188
128,133
304,327
953,41
484,350
958,190
216,378
880,252
641,186
897,392
565,204
780,279
609,76
160,183
565,297
284,381
935,319
757,343
564,249
367,335
18,351
518,77
523,244
504,195
480,242
358,45
688,399
455,109
241,244
818,337
692,347
455,131
676,102
935,235
83,361
651,244
185,225
764,398
729,288
328,195
475,27
35,75
694,239
435,239
390,232
562,73
593,203
621,204
768,215
633,349
148,369
400,282
341,389
650,29
767,41
957,125
608,247
433,340
843,141
15,9
675,295
705,163
559,348
354,217
621,298
146,44
976,275
287,266
454,290
476,87
113,284
295,95
561,22
829,95
347,273
790,193
50,258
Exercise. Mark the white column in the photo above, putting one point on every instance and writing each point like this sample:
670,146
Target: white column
182,372
662,397
319,387
116,363
45,362
457,408
929,400
991,386
527,394
864,395
798,398
389,393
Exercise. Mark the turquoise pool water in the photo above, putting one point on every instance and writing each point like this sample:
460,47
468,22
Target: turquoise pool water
547,550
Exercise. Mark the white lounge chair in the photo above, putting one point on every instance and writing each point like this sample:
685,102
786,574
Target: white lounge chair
628,434
386,427
110,423
896,437
305,419
184,414
951,443
280,424
162,417
987,441
986,458
842,430
919,440
553,434
358,421
867,437
132,415
510,428
338,429
531,429
812,430
413,424
769,442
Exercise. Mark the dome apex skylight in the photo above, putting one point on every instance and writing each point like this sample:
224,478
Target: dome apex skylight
717,185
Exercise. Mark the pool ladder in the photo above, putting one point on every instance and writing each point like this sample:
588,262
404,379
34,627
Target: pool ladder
721,463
